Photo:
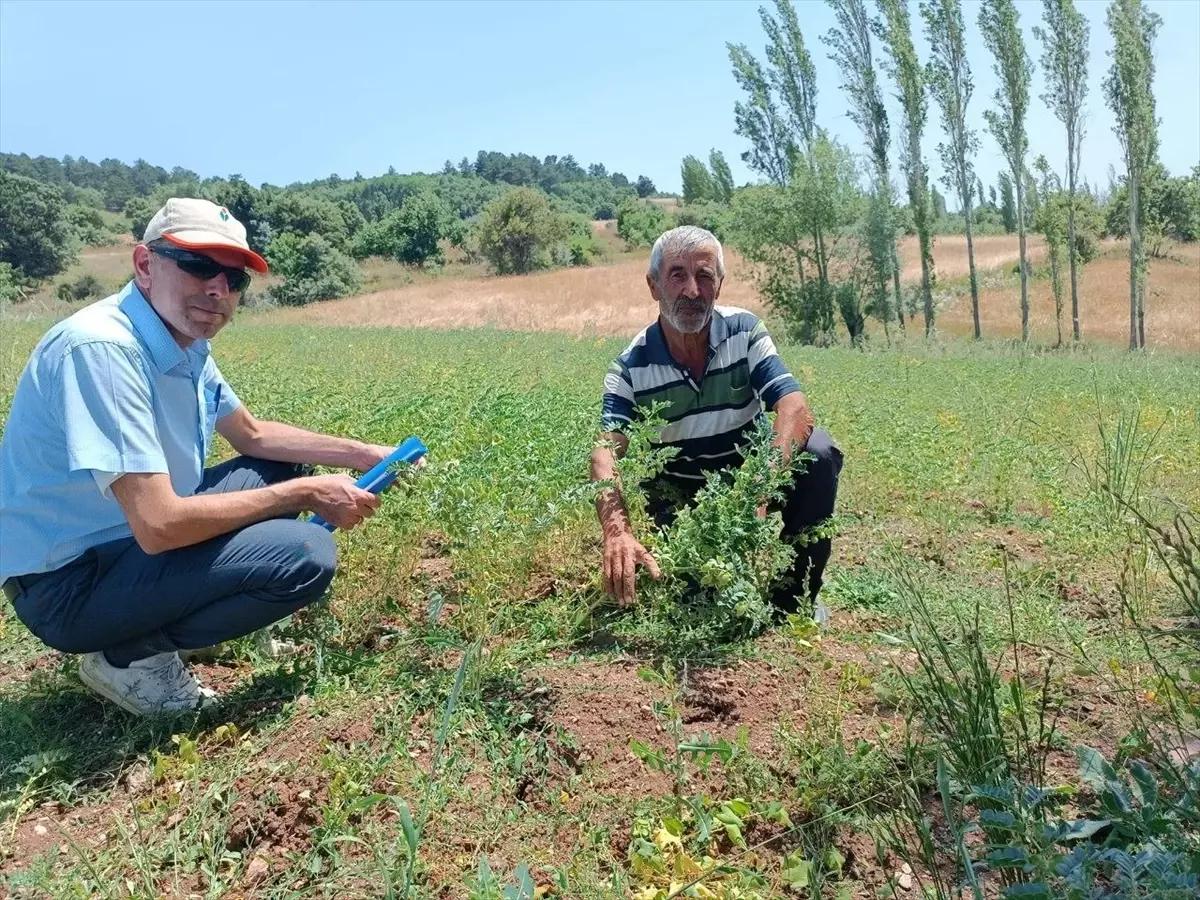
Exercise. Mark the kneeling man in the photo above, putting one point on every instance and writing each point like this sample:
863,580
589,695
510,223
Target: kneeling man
116,542
717,370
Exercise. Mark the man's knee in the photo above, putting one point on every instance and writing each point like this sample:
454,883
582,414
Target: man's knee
827,465
304,556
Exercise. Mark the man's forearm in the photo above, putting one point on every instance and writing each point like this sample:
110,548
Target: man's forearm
184,521
286,443
610,505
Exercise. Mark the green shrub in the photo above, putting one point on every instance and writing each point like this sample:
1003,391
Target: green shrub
582,248
711,216
89,226
519,232
12,289
85,287
139,212
639,225
37,237
412,233
305,214
312,269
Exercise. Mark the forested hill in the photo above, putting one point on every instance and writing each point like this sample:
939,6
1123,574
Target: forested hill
466,186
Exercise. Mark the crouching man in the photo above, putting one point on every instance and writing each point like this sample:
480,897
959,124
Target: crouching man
115,541
716,369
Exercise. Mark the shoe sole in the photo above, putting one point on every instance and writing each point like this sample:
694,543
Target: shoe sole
112,696
99,687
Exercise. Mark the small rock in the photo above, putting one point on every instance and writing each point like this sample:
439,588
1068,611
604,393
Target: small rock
258,869
304,701
137,779
39,830
906,869
905,881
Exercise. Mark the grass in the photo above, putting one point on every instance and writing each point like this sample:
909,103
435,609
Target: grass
464,673
1172,306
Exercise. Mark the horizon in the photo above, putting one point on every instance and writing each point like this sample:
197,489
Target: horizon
340,120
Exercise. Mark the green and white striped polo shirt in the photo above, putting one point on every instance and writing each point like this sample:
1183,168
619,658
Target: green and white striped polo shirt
707,420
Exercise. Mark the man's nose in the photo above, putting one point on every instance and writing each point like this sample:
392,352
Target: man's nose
217,287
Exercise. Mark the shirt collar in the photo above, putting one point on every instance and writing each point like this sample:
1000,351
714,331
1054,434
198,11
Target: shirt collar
164,351
656,341
718,330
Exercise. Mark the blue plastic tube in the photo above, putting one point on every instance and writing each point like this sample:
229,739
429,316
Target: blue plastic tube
386,471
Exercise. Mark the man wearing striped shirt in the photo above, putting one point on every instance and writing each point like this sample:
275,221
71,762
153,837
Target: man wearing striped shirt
716,369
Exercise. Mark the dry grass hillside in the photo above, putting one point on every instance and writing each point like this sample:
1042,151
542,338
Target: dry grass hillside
603,300
612,300
1172,306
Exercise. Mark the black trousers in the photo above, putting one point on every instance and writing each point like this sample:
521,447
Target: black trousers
809,501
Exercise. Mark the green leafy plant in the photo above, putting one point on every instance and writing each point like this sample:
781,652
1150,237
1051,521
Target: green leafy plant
720,559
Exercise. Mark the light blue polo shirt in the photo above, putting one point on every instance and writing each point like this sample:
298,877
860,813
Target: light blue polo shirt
106,392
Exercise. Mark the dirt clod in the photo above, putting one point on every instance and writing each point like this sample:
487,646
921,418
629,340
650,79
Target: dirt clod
281,814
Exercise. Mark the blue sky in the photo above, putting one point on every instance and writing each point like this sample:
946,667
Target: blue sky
286,91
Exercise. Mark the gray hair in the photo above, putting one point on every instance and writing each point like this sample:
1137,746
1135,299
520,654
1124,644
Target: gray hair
681,240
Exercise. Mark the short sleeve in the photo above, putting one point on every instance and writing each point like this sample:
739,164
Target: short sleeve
108,411
618,407
216,386
769,376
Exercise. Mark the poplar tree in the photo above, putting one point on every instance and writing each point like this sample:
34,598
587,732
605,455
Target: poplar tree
1065,62
999,22
949,77
901,63
1128,90
850,47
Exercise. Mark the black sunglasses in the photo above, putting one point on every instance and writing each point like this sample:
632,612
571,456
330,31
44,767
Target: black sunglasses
205,268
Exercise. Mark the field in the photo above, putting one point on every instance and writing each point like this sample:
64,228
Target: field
469,709
612,300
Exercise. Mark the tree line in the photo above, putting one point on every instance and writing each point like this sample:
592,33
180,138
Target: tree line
515,211
827,246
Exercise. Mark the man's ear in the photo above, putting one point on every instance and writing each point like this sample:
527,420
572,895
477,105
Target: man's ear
141,267
653,288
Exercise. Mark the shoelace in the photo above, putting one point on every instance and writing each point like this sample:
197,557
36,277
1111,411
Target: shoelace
179,681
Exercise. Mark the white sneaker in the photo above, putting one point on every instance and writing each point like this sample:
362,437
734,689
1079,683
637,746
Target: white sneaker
157,684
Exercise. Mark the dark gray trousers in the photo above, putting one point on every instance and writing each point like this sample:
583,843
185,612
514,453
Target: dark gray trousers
809,501
131,605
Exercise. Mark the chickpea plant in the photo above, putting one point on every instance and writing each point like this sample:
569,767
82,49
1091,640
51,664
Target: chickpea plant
720,560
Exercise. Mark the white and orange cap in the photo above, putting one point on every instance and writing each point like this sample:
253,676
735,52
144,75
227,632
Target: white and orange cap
202,225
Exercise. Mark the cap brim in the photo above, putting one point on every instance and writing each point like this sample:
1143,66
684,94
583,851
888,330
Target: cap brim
206,240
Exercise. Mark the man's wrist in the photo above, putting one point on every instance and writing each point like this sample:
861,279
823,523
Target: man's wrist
294,496
616,528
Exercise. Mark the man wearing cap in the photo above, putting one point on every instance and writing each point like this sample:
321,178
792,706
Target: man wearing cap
115,541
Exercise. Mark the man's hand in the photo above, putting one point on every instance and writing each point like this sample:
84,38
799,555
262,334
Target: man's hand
793,424
337,500
622,555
